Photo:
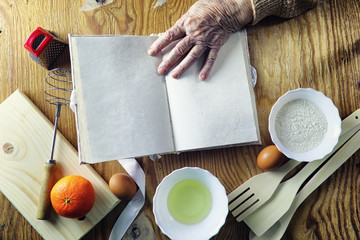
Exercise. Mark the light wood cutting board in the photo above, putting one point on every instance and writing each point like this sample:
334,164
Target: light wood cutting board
25,140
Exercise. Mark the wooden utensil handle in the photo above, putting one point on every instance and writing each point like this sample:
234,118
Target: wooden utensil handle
44,197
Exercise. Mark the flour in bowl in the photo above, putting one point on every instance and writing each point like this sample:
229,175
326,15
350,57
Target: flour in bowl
300,125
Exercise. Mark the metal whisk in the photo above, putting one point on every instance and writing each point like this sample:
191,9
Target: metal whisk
59,93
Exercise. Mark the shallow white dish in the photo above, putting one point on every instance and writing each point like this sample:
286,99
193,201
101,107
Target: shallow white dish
205,229
333,124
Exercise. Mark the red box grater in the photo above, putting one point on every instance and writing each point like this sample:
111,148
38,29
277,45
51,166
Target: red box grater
44,47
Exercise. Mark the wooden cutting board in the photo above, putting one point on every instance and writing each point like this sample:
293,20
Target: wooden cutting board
25,140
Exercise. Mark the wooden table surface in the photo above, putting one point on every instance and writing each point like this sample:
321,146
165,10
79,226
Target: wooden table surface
319,49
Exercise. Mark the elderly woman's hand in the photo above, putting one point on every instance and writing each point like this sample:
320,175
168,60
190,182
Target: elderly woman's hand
204,29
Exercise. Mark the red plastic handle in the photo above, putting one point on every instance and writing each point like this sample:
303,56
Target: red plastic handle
47,38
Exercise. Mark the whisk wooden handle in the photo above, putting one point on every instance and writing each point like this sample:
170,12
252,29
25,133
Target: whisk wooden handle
44,197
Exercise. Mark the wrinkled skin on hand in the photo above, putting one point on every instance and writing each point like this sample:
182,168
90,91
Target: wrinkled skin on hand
203,29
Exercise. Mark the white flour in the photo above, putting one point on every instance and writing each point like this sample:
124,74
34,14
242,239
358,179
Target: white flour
300,125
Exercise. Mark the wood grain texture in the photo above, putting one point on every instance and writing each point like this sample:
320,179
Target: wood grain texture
319,49
25,145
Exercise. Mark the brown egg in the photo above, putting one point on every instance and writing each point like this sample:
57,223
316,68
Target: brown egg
123,186
270,158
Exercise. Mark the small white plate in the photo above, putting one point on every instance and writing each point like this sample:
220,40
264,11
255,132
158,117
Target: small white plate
333,124
205,229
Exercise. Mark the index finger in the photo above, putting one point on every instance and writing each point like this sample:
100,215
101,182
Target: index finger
172,34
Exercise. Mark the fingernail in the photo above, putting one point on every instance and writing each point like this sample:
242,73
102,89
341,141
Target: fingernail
175,75
151,52
161,70
202,76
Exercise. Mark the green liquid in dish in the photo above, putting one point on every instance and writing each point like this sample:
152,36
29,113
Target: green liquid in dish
189,201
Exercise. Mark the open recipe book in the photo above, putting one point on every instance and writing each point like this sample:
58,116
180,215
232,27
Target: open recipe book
125,109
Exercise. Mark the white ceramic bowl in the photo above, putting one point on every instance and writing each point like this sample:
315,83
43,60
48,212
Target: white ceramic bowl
331,113
205,229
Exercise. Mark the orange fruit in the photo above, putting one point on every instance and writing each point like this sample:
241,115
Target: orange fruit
72,196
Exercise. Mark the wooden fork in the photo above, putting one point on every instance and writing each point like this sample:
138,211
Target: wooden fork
280,202
254,192
345,152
